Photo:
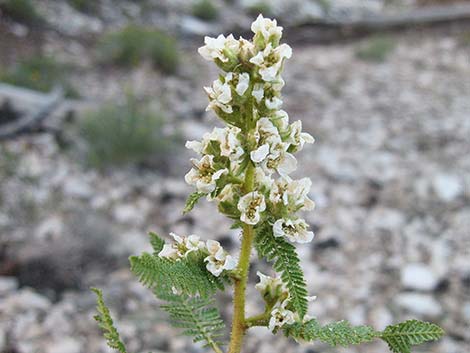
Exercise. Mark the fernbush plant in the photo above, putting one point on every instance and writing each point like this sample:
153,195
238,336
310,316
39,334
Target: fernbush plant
245,170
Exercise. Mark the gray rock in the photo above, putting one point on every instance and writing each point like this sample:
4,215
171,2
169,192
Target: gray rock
64,345
419,304
7,285
50,228
77,187
447,187
25,300
418,277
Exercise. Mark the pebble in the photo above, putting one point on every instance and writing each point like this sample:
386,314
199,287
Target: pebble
418,277
420,304
64,345
76,187
7,285
447,187
25,300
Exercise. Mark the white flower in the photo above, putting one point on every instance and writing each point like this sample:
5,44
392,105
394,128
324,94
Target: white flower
281,161
270,61
230,146
294,230
194,145
258,92
226,194
271,287
281,316
181,247
280,119
218,259
266,135
267,28
274,103
243,83
262,179
292,193
250,206
220,95
204,175
260,153
217,48
299,138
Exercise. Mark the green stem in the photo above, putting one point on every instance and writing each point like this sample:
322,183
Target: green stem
238,323
258,320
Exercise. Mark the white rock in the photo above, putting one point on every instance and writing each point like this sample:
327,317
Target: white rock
381,318
76,187
7,285
418,277
3,340
25,300
64,345
447,187
132,213
419,304
50,228
466,310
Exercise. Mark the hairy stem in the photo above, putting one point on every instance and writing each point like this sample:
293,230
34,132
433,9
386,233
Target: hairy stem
238,323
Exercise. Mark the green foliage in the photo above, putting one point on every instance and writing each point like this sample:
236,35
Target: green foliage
106,323
399,337
188,276
123,134
39,73
286,262
192,201
402,336
186,286
260,7
197,317
156,242
337,333
20,10
205,10
87,6
376,49
133,44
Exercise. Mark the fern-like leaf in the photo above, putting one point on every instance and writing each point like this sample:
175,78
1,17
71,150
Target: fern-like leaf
338,333
156,242
287,263
197,318
402,336
106,323
192,200
188,276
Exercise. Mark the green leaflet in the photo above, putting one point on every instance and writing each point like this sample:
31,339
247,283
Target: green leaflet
196,318
286,262
402,336
399,337
156,242
337,333
192,200
106,323
188,276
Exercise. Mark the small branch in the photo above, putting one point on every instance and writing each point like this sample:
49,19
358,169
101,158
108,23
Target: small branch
258,320
324,30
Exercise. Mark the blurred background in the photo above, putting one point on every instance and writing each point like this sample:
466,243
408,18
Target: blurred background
98,96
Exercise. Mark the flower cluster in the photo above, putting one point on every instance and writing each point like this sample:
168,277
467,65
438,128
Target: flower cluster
276,296
258,135
218,260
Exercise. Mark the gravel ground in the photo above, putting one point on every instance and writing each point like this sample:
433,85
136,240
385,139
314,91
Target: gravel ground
391,180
